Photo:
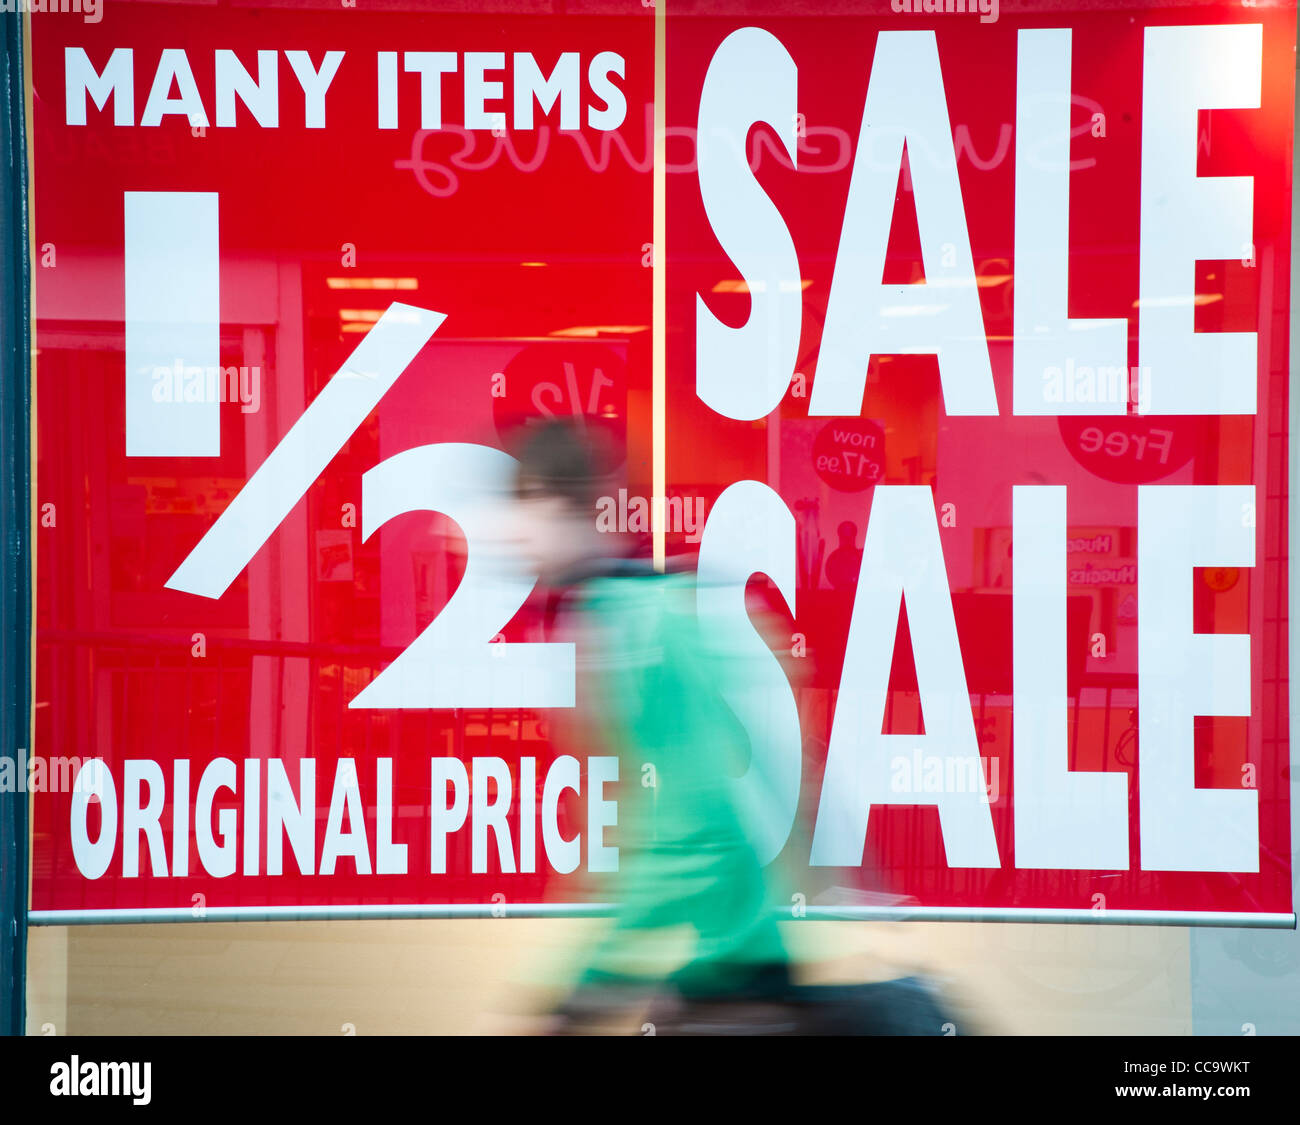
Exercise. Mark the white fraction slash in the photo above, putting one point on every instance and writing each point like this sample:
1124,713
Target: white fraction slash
311,443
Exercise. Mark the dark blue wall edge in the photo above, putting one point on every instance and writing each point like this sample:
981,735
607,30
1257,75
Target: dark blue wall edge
15,513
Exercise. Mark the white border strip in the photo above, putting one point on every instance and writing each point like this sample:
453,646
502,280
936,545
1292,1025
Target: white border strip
601,910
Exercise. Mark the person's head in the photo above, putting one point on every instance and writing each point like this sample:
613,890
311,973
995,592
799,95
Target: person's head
558,480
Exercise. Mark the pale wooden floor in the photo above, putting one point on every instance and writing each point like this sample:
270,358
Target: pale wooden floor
477,976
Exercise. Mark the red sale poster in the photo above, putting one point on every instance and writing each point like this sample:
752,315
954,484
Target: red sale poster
950,347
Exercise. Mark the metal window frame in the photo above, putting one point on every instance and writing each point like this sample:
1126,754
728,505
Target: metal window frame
15,523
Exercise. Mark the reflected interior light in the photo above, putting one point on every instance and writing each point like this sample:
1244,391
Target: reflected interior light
601,330
363,320
533,265
740,285
1178,302
989,280
372,283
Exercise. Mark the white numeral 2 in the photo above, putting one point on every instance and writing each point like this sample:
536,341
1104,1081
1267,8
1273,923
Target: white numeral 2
453,662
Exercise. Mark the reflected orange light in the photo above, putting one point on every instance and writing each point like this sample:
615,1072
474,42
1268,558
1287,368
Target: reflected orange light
601,330
739,285
372,283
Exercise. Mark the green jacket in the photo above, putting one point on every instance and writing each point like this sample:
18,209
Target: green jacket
686,843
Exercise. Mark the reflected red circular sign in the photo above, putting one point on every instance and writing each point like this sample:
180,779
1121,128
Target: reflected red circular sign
583,381
849,454
1131,449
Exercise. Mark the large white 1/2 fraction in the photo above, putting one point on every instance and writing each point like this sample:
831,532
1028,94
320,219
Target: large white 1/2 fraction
442,668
